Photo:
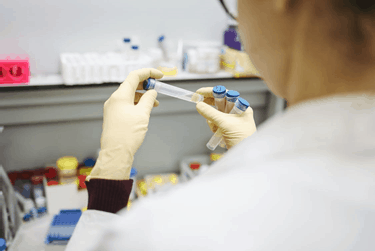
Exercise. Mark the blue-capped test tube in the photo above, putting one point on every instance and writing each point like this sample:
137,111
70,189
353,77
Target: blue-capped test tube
172,91
219,92
231,98
239,107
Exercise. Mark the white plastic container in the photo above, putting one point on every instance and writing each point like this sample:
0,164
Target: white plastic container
186,173
95,67
67,68
202,56
79,69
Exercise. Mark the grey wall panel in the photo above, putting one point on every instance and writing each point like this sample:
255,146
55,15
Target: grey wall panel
30,107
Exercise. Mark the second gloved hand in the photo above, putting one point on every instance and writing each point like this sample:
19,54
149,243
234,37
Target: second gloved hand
234,127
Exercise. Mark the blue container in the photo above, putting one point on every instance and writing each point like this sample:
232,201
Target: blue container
232,38
62,226
3,244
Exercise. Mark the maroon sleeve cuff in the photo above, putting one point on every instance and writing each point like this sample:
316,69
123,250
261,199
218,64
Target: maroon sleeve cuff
108,195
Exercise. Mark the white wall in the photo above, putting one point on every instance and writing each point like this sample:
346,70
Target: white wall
45,28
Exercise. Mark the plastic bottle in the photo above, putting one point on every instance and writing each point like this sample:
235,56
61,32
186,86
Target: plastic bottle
134,53
125,48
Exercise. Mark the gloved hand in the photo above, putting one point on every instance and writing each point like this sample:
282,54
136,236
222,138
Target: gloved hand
124,126
233,127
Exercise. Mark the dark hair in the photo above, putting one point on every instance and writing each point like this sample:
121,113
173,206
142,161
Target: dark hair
361,6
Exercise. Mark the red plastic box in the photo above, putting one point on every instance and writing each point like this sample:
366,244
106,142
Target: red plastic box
14,69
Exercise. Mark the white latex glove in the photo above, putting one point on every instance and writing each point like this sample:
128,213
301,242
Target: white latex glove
233,127
124,126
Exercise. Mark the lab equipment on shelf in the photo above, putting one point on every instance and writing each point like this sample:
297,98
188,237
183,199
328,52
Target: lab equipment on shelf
62,226
152,184
240,106
201,56
10,219
67,167
171,60
219,92
123,46
97,68
160,182
134,53
193,166
172,91
162,47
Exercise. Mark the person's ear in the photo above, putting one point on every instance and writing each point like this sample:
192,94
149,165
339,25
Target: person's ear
283,5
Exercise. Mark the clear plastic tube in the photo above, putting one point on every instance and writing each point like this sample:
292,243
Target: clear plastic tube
231,98
240,106
219,92
172,91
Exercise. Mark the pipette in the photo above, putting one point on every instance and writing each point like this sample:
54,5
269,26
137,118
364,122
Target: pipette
239,107
172,91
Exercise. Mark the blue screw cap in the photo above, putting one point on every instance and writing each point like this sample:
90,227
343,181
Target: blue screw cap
161,38
243,102
135,47
27,217
149,84
219,89
42,210
232,94
126,40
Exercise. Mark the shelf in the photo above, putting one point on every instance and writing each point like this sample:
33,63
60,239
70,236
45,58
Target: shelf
55,81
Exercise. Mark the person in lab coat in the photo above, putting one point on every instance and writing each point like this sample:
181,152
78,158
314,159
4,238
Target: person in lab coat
304,180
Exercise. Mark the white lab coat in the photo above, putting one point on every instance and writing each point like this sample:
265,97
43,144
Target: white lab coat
304,181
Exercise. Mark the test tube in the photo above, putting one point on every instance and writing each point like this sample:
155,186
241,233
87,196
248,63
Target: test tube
219,92
231,97
239,107
172,91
